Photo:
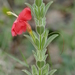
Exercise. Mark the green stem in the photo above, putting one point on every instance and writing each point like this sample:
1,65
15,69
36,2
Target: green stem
39,71
40,42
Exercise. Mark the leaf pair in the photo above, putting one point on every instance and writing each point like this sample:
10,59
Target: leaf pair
42,9
43,71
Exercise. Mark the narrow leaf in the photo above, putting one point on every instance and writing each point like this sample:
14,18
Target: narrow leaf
29,5
34,70
37,42
35,34
36,12
23,57
50,39
42,10
29,37
35,55
52,72
45,56
43,42
47,6
45,69
27,72
18,60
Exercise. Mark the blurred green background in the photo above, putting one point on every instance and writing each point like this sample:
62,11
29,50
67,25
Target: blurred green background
60,18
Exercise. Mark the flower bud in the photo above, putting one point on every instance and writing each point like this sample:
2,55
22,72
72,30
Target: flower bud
11,13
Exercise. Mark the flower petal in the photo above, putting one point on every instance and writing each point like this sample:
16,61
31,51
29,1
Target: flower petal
12,30
18,27
25,15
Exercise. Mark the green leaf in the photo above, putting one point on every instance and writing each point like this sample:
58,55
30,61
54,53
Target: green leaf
40,29
43,42
18,60
47,6
29,37
52,72
44,51
50,39
45,56
29,5
23,57
39,11
40,64
27,72
36,21
35,55
42,11
35,34
46,34
36,13
38,2
34,70
37,42
45,69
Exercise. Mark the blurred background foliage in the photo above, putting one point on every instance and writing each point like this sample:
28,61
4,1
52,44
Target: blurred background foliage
60,18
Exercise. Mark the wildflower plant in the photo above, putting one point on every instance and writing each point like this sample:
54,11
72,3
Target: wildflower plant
39,39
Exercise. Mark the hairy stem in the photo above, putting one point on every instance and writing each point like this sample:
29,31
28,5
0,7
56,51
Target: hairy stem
40,42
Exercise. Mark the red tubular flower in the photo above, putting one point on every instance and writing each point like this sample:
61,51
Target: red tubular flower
21,25
25,15
18,27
